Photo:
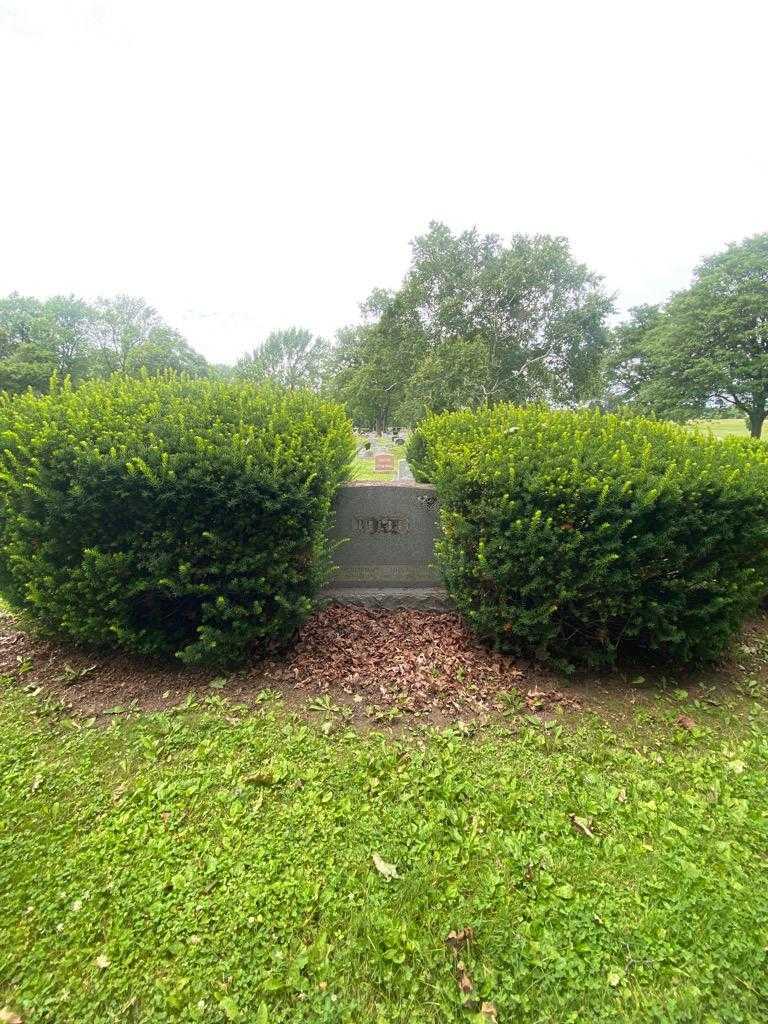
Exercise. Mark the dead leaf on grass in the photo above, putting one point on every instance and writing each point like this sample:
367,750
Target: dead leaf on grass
488,1010
7,1016
583,825
456,939
385,869
686,722
465,982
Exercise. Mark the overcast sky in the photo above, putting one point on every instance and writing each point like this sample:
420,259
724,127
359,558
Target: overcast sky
248,165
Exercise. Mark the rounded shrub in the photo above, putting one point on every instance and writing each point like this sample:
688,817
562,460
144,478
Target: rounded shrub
572,536
167,515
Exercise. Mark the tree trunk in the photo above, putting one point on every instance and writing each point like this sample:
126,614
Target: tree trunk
756,420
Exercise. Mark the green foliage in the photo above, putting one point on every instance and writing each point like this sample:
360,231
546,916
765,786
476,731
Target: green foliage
294,358
576,536
38,339
214,864
475,321
168,515
66,336
709,345
417,454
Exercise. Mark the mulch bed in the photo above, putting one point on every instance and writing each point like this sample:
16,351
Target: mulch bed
382,664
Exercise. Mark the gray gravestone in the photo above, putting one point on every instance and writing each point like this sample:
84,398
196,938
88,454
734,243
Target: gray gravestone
385,536
404,471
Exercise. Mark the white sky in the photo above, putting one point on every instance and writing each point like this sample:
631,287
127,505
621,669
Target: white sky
248,165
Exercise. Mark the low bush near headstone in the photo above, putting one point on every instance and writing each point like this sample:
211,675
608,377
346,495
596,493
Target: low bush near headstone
574,536
168,516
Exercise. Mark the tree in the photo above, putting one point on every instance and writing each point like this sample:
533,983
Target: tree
70,337
129,336
38,339
526,321
363,376
451,375
710,343
629,358
122,324
166,349
293,357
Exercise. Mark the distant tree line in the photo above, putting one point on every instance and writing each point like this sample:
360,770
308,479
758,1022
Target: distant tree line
474,322
74,338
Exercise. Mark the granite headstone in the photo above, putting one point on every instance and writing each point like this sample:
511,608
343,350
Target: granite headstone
384,536
383,462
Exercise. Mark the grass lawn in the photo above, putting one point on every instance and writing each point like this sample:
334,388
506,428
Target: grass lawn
723,428
214,863
362,469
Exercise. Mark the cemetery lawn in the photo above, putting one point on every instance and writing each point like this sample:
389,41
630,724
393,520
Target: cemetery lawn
216,863
362,469
727,427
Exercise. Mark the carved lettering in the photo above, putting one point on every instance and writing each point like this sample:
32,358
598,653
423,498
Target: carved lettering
382,525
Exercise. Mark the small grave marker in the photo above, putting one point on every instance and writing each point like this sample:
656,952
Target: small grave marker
383,462
404,471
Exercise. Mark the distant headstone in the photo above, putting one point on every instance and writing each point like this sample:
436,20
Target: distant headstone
383,462
398,440
383,537
404,471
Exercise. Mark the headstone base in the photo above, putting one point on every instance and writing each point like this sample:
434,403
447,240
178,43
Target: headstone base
427,599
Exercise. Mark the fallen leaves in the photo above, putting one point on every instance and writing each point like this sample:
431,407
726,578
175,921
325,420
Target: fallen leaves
385,869
465,982
102,962
413,661
686,722
455,940
7,1016
458,940
582,825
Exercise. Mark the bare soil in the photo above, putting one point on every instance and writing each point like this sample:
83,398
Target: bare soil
382,667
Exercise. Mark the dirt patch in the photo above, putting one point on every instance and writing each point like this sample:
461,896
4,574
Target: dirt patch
379,668
382,665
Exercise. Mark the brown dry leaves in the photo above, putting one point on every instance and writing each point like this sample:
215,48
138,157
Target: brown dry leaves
416,661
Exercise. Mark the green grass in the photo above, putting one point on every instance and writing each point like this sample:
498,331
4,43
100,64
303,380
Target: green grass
214,864
723,428
362,469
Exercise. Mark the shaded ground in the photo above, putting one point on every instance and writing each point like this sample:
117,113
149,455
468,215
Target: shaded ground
369,668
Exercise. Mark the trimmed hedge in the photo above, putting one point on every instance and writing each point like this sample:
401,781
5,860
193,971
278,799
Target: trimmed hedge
167,515
573,536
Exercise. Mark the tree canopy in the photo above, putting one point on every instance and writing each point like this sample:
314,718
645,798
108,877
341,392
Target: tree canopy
293,357
70,337
708,345
477,321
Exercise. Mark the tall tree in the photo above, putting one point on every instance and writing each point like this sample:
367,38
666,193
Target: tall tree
629,364
166,349
710,344
122,324
528,317
293,357
362,374
40,338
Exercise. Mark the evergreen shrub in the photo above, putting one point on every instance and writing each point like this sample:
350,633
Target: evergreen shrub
167,515
574,536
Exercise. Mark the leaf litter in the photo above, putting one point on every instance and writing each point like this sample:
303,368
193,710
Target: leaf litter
413,661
